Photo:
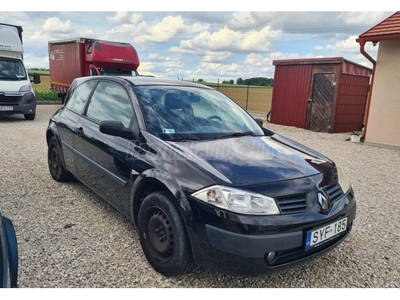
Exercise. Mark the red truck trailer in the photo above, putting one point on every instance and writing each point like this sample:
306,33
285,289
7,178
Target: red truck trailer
78,57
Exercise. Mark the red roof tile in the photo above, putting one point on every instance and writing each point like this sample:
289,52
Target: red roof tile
385,29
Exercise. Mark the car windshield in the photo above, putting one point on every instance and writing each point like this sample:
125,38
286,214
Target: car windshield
190,113
12,69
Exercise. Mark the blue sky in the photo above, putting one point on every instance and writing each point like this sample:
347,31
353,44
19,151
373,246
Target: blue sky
188,43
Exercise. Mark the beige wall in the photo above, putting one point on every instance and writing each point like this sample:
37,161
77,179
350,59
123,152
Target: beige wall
384,116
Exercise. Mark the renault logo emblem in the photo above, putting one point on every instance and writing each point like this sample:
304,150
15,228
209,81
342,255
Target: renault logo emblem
323,202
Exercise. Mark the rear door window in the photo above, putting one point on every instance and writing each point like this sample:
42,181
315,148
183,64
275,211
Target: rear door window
110,102
79,97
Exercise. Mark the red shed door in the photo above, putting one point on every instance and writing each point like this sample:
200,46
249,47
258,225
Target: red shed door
320,108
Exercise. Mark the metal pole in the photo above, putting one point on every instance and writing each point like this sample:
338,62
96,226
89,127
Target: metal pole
247,98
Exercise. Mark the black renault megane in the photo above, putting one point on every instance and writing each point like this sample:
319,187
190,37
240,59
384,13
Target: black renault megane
203,181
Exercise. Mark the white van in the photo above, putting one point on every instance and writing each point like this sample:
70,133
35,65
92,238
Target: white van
16,93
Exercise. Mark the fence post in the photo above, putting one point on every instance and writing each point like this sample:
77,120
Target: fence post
247,97
218,84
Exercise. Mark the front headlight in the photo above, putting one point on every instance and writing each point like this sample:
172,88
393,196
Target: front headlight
343,181
25,88
238,201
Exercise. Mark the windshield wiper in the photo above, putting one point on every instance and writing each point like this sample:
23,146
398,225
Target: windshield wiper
184,138
236,134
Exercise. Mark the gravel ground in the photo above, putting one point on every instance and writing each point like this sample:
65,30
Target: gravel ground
69,237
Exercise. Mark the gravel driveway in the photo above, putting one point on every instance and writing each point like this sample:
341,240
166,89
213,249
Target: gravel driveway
69,237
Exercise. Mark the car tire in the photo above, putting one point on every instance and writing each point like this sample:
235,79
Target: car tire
56,167
163,235
30,117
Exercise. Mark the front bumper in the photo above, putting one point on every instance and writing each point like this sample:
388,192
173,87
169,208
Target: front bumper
21,103
242,247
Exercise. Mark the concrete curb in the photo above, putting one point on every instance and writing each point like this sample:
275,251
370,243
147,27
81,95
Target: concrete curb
48,102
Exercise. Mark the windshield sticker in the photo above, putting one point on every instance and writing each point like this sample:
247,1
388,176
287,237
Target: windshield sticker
166,130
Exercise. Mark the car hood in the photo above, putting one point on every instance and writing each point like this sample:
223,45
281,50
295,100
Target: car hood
251,160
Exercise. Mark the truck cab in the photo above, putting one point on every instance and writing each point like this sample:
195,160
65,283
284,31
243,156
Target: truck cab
16,93
111,58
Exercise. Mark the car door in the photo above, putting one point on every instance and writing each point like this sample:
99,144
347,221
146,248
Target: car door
103,162
76,101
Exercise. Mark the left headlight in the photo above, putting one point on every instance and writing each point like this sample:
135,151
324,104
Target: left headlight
25,88
343,181
238,201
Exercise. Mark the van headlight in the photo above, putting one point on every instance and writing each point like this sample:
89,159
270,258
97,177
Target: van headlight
343,181
238,201
25,88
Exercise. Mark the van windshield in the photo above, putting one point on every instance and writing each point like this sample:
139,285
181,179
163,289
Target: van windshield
189,113
12,69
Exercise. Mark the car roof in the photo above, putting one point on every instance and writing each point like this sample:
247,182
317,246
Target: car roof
142,80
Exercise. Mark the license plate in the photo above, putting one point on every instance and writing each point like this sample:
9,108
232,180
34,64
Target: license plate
322,234
6,108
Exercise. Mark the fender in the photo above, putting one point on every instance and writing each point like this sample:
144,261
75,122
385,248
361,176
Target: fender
164,179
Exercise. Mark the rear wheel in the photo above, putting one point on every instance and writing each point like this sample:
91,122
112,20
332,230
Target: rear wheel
56,167
30,117
163,235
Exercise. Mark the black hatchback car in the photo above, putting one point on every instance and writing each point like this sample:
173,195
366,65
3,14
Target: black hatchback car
203,181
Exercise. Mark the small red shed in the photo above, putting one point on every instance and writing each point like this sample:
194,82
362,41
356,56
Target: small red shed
320,94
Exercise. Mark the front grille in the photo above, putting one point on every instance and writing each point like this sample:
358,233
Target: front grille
9,99
334,192
292,204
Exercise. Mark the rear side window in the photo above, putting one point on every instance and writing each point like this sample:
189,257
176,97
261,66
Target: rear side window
110,102
78,98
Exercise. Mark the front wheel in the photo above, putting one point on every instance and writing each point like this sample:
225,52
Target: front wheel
163,235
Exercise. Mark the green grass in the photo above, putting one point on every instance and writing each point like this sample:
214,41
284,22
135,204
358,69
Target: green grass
41,72
47,96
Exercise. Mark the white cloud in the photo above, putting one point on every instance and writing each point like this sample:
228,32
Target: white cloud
217,57
368,18
55,25
136,18
119,17
248,20
53,29
155,57
233,41
168,29
318,48
345,46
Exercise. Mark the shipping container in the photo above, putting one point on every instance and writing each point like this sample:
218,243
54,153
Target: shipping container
320,94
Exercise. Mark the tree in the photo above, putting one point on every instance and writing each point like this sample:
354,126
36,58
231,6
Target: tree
228,81
239,81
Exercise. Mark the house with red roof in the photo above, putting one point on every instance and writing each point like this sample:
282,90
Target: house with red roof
382,119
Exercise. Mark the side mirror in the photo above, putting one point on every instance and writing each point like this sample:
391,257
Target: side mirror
260,122
36,78
116,128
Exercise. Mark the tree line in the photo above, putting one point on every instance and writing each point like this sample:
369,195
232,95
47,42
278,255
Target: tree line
258,81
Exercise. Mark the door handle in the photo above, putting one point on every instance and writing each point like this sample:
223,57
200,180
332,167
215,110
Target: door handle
79,131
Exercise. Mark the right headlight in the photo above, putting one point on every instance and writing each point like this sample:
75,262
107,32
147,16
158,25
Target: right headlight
239,201
343,181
